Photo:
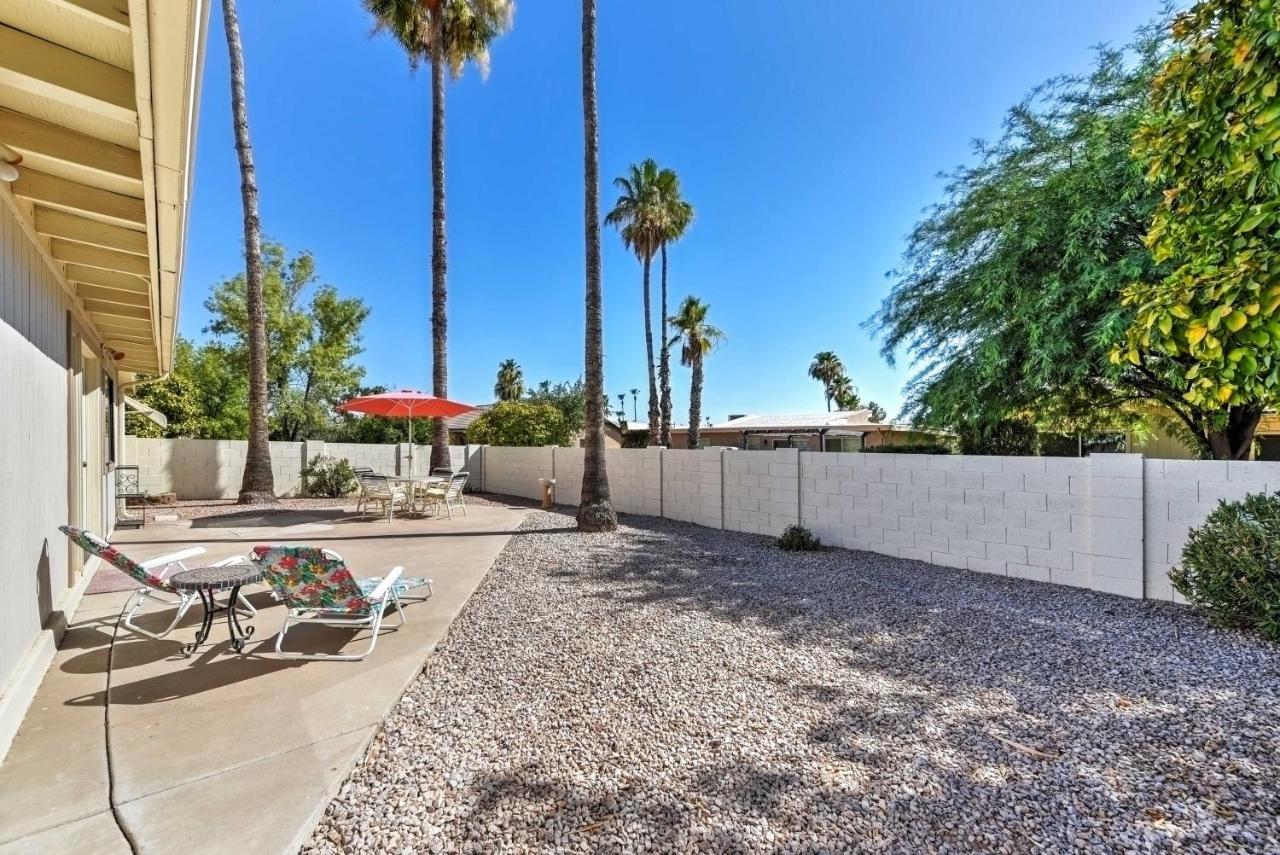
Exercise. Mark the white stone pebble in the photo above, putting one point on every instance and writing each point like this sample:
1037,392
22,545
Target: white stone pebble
671,688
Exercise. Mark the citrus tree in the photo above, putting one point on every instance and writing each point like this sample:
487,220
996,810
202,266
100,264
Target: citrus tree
1211,141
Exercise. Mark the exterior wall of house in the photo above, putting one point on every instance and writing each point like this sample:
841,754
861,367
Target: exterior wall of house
42,368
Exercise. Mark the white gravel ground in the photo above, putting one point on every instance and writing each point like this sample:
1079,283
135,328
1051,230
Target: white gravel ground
674,688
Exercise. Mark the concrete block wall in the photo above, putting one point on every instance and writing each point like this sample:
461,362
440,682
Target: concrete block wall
761,490
515,471
379,458
1073,521
691,486
207,468
1178,495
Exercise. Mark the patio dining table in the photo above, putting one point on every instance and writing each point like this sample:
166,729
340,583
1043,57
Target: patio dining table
414,483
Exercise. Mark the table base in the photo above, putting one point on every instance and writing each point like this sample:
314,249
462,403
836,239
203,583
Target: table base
239,635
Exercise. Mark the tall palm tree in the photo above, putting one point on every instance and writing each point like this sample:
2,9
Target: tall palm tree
825,368
698,338
677,217
622,406
634,404
639,216
845,394
447,34
510,385
257,484
595,511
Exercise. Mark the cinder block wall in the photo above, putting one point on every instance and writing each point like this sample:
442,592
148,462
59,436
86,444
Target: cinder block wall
1108,522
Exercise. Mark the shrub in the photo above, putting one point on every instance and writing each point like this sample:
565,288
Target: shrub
1012,437
797,538
1231,565
520,423
910,448
328,477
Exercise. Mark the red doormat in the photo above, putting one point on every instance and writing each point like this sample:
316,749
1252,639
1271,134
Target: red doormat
108,579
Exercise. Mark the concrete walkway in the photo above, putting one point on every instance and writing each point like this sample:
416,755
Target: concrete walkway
219,752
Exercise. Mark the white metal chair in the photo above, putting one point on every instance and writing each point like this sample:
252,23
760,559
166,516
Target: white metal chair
153,575
316,587
447,493
380,490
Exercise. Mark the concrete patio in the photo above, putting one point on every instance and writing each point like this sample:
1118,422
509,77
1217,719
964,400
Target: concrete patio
221,752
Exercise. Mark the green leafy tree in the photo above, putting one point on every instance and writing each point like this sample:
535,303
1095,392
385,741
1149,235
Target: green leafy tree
825,368
510,383
313,337
1211,141
447,34
1008,437
876,412
570,398
205,396
697,338
1010,295
519,423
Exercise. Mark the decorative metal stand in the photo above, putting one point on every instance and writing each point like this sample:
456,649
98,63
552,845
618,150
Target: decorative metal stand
206,581
129,486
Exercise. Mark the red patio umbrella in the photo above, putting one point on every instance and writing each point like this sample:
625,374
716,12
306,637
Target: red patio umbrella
405,404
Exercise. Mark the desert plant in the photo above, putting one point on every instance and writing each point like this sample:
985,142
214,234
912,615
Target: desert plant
328,477
797,538
1231,565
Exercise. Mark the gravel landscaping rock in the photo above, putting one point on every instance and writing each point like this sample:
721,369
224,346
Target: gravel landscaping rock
674,688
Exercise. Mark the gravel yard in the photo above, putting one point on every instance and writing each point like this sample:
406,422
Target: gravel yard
674,688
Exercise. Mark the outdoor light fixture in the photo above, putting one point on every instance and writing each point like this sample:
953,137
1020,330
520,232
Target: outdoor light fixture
9,159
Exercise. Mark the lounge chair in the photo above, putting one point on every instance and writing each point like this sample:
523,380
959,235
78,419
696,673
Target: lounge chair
316,587
153,575
446,493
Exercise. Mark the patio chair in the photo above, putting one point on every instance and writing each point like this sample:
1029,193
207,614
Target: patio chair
153,575
442,472
448,494
316,587
380,490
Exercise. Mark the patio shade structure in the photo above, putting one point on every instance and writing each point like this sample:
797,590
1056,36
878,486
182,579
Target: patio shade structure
405,404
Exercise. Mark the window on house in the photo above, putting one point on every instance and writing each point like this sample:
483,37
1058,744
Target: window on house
109,399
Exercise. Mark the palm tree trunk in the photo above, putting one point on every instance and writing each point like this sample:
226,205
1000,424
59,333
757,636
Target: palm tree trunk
257,485
439,245
595,512
664,363
695,400
655,417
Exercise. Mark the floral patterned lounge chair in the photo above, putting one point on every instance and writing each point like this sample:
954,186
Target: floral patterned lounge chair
153,576
316,587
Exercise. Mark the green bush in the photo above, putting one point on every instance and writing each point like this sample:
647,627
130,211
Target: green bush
1008,437
797,538
1231,565
910,448
520,423
328,477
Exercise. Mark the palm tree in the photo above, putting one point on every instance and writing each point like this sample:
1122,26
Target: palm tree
595,511
825,368
845,393
510,385
678,216
698,339
639,217
622,406
257,484
634,404
448,34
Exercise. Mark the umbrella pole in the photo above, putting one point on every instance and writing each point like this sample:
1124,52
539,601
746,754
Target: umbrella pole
410,446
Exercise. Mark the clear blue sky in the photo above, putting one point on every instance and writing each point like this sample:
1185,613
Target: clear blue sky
809,142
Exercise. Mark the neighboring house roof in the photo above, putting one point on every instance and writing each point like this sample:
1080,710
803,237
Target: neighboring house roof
850,420
99,101
464,421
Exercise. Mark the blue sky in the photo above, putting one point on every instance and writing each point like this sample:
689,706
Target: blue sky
809,142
